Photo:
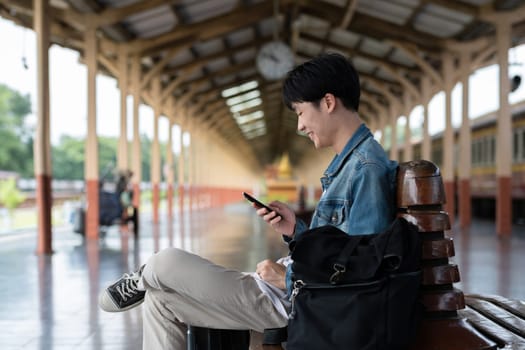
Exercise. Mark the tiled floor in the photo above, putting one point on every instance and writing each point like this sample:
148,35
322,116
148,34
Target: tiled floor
50,302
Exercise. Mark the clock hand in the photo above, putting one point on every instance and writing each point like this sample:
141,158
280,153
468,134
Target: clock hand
272,57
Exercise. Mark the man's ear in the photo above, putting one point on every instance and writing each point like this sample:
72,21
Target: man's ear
330,102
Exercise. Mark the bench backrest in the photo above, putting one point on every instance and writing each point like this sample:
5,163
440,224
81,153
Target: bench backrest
420,200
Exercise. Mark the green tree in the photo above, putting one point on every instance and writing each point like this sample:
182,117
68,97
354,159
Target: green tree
145,150
68,158
107,156
146,146
69,155
16,153
10,196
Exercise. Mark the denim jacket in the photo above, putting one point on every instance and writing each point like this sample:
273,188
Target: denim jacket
358,190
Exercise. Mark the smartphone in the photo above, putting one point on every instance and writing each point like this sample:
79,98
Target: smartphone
258,203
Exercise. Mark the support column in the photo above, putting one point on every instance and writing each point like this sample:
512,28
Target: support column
137,155
122,156
205,157
393,135
504,134
465,145
42,145
155,153
182,166
190,163
426,145
381,125
91,162
169,170
448,138
408,153
196,145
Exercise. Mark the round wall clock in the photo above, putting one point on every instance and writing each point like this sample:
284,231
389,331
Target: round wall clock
274,60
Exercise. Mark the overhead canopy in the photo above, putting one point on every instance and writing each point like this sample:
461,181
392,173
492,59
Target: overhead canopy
203,50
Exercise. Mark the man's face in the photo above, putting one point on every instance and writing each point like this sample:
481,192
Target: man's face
314,122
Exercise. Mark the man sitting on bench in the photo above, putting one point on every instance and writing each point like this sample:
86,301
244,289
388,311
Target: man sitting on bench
179,288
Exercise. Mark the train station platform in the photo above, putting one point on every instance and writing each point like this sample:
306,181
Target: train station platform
50,302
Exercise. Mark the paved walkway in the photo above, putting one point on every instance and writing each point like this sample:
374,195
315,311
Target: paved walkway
50,302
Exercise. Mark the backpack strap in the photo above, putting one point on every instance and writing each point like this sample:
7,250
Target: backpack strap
343,258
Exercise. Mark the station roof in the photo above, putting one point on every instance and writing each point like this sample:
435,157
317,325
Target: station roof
205,51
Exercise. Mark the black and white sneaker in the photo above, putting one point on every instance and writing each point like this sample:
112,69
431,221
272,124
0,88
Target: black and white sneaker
124,294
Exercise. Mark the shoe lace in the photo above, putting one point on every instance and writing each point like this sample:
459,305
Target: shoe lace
128,287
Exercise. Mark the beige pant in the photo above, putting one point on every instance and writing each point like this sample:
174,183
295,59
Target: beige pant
183,288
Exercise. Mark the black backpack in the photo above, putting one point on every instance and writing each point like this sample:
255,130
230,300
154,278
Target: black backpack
355,292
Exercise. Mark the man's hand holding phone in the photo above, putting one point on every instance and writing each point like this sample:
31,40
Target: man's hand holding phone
277,214
258,204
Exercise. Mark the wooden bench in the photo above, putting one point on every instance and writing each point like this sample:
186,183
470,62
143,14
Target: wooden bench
451,321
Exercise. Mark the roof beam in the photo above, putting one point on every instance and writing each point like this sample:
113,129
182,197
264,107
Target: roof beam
174,84
514,16
109,64
223,72
229,85
382,89
370,26
191,92
238,18
366,56
420,61
455,5
350,8
116,14
161,64
199,62
391,84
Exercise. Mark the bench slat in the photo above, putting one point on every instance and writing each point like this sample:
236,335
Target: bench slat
501,336
499,315
516,307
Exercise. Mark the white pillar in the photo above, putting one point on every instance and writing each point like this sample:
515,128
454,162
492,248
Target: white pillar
91,166
504,133
122,156
393,135
426,145
465,145
448,137
408,153
137,156
42,144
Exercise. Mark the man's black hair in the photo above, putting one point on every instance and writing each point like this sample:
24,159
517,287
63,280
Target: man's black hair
327,73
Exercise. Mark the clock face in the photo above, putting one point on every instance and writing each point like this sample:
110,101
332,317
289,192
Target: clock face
274,60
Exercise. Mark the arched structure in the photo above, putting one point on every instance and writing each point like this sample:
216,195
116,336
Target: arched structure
190,60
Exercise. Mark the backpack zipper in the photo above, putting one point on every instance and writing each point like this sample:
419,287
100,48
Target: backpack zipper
297,285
